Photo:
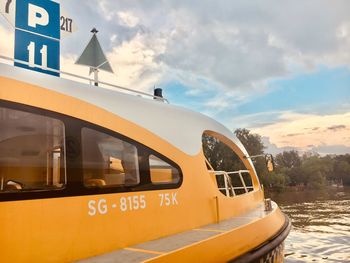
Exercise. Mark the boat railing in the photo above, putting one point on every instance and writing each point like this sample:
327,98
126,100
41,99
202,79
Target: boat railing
106,85
229,188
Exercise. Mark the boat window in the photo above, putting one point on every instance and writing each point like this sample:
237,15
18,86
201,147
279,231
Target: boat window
108,161
231,175
162,172
32,153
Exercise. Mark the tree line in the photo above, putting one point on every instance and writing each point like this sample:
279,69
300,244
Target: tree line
309,170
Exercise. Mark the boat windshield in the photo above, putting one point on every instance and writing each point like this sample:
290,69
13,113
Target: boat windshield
232,177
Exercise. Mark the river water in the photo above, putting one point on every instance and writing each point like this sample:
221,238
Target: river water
321,225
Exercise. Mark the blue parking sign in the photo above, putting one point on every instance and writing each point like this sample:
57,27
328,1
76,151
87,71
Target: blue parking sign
37,50
39,16
37,36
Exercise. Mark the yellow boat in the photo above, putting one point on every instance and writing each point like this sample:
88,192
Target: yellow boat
91,174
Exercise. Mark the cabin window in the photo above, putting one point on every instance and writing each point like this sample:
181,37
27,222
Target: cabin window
162,172
232,177
32,153
108,161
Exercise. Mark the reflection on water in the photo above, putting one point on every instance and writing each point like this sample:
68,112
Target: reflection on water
321,225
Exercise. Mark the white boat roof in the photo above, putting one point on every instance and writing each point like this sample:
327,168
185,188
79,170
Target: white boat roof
180,127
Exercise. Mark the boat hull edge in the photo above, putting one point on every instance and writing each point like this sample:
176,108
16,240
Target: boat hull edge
271,251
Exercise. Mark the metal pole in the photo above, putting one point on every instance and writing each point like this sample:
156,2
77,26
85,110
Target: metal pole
96,77
243,183
254,156
226,185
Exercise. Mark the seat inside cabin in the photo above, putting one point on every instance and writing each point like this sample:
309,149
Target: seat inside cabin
27,163
31,151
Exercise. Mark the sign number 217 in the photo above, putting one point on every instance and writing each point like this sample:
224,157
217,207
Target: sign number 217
66,24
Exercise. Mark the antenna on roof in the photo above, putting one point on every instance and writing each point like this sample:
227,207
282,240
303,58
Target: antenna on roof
94,57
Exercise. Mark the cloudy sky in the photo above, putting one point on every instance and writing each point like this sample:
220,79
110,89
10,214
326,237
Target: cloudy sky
278,69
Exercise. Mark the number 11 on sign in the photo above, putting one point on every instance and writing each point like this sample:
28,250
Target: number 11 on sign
31,55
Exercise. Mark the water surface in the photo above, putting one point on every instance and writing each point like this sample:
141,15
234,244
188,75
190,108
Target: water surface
321,225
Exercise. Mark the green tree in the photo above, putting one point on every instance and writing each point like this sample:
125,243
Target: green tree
274,180
219,155
296,175
311,169
251,141
342,171
315,171
288,159
253,144
328,162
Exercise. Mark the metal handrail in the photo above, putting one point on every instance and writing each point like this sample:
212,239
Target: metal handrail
228,182
85,78
240,176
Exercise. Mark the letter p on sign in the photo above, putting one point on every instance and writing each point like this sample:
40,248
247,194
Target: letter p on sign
37,16
41,17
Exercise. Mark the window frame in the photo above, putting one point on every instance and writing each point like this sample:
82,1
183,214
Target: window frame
74,164
114,138
11,106
144,152
247,169
170,166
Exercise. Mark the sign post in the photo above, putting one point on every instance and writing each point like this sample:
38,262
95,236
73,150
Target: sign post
37,35
94,57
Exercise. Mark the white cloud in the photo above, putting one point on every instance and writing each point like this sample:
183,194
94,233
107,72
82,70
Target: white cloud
133,64
135,60
322,149
218,103
232,45
256,120
308,131
128,19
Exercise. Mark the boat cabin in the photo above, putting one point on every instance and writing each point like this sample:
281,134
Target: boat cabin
92,173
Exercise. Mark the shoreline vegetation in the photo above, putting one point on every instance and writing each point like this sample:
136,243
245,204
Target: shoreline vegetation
293,171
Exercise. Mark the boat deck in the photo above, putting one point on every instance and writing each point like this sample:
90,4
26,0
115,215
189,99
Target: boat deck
155,248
